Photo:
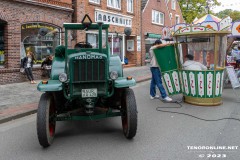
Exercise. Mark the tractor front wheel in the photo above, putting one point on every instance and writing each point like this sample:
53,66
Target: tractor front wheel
129,113
46,122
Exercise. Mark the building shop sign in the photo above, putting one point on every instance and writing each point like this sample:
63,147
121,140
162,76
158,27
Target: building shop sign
112,18
37,25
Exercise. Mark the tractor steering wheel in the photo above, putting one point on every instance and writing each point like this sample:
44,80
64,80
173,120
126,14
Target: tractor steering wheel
83,45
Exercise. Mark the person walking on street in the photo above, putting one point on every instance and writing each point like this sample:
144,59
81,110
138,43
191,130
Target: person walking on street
236,54
156,75
27,64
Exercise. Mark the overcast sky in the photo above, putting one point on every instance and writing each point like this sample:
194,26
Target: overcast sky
227,4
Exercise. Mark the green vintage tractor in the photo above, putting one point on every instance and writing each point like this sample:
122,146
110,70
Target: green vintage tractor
86,83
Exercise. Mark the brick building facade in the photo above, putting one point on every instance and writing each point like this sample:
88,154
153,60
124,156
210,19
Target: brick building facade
120,14
155,16
20,21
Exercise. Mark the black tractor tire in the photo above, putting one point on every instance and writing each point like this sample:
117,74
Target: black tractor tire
46,122
59,101
129,113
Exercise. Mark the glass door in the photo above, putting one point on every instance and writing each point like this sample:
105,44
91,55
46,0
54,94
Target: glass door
116,46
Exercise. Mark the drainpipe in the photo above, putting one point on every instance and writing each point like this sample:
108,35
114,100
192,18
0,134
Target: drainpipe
100,36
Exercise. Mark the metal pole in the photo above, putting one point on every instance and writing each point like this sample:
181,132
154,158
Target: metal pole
100,36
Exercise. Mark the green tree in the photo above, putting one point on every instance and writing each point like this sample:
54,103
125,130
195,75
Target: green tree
235,15
196,8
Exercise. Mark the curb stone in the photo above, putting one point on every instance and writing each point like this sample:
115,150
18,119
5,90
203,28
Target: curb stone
28,109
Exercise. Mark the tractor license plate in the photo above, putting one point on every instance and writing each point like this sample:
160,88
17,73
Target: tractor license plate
89,93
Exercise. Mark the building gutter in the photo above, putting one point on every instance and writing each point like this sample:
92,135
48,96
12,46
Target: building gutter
38,3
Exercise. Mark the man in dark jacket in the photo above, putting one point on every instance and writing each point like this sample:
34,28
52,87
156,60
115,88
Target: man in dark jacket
47,65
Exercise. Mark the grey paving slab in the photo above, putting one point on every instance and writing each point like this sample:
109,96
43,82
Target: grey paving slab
20,99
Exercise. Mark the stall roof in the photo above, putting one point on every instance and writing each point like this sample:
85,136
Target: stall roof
207,18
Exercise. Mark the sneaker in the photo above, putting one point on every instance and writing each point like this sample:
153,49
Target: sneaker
168,99
155,97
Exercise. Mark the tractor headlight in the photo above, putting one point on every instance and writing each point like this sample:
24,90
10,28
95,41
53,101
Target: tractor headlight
113,75
62,77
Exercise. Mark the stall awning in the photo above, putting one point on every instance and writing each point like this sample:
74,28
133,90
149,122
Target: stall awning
155,36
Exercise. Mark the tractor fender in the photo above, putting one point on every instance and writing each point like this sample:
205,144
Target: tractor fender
52,85
123,82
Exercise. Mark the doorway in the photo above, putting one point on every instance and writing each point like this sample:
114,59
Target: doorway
116,45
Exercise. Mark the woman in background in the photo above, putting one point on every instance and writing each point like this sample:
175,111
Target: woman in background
27,64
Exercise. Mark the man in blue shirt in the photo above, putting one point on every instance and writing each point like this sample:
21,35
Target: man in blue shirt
236,54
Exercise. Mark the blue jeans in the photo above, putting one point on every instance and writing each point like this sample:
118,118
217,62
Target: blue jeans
156,80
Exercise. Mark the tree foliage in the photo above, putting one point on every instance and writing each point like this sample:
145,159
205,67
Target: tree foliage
196,8
235,15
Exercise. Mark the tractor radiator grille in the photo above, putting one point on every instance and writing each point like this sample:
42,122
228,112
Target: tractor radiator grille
89,70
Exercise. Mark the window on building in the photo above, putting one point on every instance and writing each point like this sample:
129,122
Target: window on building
116,45
174,4
177,19
95,1
114,4
130,6
92,38
41,45
2,56
157,17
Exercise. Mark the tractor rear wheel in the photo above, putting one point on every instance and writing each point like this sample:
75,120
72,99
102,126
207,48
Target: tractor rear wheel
129,113
46,122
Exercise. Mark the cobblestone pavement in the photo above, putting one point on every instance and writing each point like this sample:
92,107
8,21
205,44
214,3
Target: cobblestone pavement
21,99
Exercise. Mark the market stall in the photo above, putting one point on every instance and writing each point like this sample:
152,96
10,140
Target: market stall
207,43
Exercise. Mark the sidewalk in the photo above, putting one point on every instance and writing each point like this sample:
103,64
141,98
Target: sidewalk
21,99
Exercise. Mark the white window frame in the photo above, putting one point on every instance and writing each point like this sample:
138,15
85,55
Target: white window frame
154,18
95,1
173,4
114,4
177,16
128,3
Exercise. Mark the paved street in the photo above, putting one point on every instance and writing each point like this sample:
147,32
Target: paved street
160,136
21,99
